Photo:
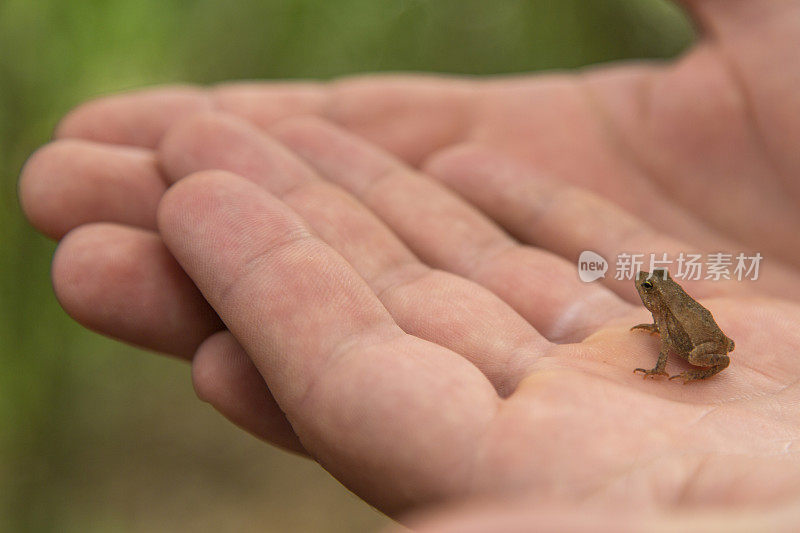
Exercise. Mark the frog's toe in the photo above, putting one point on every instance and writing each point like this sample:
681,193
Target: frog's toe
695,375
650,328
652,373
685,376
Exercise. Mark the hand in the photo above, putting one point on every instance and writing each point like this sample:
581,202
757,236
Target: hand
414,385
556,386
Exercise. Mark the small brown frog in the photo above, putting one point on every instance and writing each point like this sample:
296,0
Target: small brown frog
686,328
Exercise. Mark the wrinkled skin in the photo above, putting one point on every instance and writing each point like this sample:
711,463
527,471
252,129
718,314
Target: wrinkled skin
432,344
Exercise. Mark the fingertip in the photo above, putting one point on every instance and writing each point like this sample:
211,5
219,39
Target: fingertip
72,270
226,142
45,186
85,264
79,121
175,159
122,282
217,357
224,376
35,194
71,182
212,211
187,202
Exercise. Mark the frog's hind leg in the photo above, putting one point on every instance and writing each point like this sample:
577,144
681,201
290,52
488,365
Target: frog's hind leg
651,328
703,356
695,375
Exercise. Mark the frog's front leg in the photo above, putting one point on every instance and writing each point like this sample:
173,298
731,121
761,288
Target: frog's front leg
661,364
651,328
706,355
660,368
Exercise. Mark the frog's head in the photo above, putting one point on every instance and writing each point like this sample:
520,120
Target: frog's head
647,285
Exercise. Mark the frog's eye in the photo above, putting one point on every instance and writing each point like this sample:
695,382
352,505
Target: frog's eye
647,284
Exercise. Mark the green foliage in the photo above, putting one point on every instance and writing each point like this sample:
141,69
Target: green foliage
77,411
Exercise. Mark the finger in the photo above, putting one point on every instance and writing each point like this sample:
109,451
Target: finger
564,219
122,282
141,118
72,182
366,399
411,116
138,118
224,376
425,113
430,304
447,233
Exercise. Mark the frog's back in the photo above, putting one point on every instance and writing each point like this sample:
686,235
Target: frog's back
695,322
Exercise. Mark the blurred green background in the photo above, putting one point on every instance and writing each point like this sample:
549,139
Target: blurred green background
97,436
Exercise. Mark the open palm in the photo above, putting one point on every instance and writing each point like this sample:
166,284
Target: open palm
420,352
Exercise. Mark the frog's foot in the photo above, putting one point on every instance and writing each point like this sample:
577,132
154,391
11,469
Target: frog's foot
652,373
687,376
650,328
719,361
696,375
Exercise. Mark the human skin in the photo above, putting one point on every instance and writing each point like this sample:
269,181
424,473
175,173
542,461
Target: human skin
433,344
